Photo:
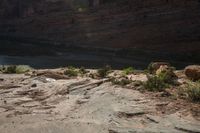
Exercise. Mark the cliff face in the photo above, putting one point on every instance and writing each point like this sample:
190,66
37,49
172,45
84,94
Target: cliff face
27,8
161,25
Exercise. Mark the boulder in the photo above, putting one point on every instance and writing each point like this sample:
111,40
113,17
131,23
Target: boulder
166,73
162,69
193,72
154,66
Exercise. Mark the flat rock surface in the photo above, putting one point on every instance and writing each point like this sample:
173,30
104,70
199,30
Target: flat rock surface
82,105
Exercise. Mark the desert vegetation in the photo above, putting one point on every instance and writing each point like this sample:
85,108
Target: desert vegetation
15,69
71,71
158,77
127,71
103,72
190,91
74,72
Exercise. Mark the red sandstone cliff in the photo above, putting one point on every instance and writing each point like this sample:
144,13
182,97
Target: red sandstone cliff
162,25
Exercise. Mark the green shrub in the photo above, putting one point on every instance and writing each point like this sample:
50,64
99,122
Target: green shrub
2,68
71,71
166,74
150,68
161,78
165,77
155,83
11,69
104,71
146,71
192,91
128,71
71,68
23,69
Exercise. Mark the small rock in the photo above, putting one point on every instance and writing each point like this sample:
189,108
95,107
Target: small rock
165,94
190,128
162,104
34,85
82,101
131,113
193,72
50,80
155,119
1,79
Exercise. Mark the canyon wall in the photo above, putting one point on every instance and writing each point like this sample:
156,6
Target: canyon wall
171,26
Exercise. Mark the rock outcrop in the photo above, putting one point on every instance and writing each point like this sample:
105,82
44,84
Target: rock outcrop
193,72
154,66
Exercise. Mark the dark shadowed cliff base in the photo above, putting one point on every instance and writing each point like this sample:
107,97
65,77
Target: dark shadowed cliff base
45,55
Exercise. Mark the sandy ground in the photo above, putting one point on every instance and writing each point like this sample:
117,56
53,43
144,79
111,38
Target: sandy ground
83,105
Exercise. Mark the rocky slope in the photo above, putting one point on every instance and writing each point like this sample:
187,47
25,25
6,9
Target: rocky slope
51,102
165,26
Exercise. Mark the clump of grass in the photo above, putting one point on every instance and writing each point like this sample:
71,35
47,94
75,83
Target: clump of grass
2,68
12,69
191,91
161,78
103,72
127,71
150,68
167,75
23,69
71,71
155,83
146,71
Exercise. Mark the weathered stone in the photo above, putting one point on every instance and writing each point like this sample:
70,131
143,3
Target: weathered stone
131,113
82,101
34,85
154,66
193,72
155,119
190,128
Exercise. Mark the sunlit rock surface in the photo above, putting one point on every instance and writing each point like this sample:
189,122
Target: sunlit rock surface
44,103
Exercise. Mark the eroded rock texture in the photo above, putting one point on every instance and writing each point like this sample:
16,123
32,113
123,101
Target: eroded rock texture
31,104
